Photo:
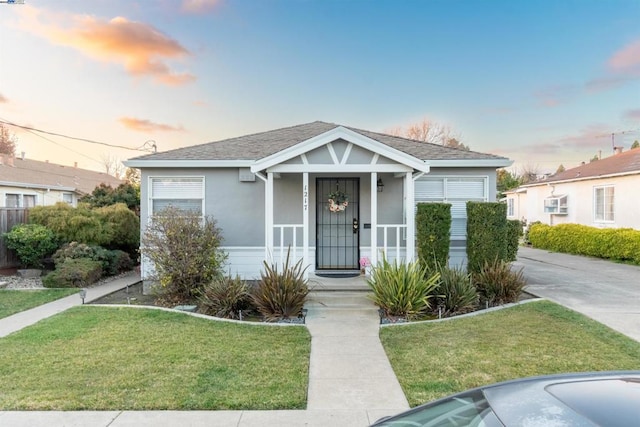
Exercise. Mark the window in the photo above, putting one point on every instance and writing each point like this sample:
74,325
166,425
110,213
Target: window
182,193
454,190
556,205
12,201
28,200
603,201
510,207
67,198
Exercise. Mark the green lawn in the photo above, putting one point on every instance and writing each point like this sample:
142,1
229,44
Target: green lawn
126,358
15,301
432,360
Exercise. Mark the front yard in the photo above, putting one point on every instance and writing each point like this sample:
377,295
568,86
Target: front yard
127,358
15,301
432,360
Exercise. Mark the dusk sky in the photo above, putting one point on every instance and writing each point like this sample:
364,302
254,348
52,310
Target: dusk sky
541,82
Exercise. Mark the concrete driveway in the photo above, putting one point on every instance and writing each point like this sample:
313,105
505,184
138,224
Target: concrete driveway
605,291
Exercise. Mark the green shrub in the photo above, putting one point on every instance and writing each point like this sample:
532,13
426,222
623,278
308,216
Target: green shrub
121,225
73,273
486,234
112,261
512,242
185,252
281,295
456,292
113,227
31,242
433,230
225,297
526,240
498,284
621,244
402,289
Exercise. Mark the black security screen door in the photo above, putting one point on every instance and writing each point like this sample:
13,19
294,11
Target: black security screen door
337,223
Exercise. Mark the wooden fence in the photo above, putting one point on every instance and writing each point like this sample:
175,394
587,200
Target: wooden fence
8,218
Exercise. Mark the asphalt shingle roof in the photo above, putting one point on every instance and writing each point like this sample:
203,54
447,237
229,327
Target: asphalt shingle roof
625,162
33,172
263,144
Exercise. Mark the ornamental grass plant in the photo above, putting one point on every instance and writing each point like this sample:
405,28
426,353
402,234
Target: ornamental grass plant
456,293
402,289
498,283
225,296
280,295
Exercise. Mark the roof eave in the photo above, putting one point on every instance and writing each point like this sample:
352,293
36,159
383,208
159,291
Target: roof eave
37,186
166,163
476,163
584,178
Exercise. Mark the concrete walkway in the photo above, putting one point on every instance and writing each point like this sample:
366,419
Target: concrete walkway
351,382
26,318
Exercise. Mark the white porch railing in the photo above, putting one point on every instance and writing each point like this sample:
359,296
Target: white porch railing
387,232
286,236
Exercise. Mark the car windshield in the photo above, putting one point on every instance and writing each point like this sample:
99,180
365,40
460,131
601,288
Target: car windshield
469,409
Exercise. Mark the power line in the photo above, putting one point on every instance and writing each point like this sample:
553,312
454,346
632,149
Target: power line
32,129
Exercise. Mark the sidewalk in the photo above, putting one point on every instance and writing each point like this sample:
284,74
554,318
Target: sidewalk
26,318
351,382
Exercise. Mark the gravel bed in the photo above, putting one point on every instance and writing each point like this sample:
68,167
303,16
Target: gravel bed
16,282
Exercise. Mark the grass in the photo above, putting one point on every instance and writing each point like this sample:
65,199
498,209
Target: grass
432,360
103,358
15,301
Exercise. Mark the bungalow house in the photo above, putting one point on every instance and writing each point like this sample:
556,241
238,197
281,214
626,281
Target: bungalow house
331,193
25,183
603,193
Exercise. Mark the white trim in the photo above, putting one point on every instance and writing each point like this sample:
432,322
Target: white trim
471,163
37,186
410,211
325,138
331,168
305,221
347,153
150,196
268,218
188,163
332,153
374,218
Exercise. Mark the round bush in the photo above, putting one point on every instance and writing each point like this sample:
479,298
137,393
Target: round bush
31,242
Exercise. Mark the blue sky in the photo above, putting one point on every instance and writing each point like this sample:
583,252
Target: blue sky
540,82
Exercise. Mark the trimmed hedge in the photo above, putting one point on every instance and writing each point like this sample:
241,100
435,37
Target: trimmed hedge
514,232
620,244
433,225
486,234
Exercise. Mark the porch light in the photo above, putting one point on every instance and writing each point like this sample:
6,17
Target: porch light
380,185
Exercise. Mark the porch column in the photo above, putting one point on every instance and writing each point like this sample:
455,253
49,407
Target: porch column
374,218
305,223
409,207
268,218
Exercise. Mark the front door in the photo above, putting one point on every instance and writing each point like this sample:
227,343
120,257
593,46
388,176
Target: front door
337,223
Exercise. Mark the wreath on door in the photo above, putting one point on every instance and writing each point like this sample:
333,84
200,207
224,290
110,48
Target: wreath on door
338,201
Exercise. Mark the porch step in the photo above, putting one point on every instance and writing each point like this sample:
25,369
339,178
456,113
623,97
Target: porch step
345,284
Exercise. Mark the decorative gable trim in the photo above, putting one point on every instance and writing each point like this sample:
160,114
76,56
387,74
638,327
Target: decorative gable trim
273,163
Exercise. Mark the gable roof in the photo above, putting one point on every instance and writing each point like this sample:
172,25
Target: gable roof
251,148
625,163
26,173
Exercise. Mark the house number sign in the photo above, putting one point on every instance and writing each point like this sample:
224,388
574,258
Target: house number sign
305,198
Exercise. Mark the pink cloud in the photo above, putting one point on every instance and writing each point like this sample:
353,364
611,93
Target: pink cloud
633,115
3,99
142,49
198,6
553,96
627,59
143,125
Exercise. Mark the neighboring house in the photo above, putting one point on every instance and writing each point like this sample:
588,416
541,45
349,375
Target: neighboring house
603,193
25,183
270,191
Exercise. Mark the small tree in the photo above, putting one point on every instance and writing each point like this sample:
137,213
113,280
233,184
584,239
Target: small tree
635,144
185,251
31,242
7,141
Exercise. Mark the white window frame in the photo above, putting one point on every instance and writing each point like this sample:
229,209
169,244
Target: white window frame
556,205
510,208
16,195
35,200
20,198
67,198
608,215
188,195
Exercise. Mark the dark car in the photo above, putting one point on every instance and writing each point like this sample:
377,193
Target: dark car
609,399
